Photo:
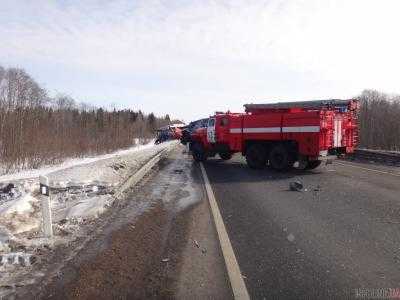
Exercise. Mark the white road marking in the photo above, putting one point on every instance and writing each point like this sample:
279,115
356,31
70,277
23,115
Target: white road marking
235,276
367,169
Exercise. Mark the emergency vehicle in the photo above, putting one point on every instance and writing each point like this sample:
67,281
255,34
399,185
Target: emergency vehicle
188,130
169,132
281,134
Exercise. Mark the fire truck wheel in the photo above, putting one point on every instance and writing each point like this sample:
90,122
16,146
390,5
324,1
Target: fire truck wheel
198,152
225,155
279,158
256,156
313,164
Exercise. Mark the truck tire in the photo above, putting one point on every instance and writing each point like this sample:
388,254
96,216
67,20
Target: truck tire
256,156
225,155
198,152
279,158
312,164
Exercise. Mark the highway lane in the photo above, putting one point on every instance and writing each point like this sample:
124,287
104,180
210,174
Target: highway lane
340,234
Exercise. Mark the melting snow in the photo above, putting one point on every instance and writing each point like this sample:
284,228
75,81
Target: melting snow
92,207
72,163
81,189
19,205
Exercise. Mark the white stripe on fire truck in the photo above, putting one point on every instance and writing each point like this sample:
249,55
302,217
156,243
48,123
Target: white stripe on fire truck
235,130
262,130
301,129
276,129
256,130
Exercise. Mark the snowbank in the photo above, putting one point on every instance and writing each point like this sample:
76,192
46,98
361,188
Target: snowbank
91,207
32,173
81,189
20,205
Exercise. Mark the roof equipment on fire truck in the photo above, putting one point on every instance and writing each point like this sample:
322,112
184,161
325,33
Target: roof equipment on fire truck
314,104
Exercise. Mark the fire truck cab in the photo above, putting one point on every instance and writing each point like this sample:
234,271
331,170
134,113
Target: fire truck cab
280,134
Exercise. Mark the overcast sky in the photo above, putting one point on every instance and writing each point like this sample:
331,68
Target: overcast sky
190,58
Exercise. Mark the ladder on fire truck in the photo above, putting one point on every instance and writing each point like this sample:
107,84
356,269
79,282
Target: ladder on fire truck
314,104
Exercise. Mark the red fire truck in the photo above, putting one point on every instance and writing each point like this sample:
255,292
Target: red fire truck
280,134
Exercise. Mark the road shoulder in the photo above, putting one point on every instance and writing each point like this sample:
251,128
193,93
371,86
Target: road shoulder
170,250
202,268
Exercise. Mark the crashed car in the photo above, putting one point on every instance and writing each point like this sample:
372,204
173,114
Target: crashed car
188,130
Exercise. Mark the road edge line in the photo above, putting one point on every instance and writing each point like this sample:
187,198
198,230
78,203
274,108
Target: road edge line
235,276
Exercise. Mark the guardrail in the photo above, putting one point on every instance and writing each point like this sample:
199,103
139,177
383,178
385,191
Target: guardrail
139,174
378,156
120,191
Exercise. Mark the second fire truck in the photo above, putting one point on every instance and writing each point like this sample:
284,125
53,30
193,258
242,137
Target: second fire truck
280,134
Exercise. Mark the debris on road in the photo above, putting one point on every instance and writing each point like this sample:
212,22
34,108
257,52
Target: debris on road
290,237
296,186
317,188
196,243
165,260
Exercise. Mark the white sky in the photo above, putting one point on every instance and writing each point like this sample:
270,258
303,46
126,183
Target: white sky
190,58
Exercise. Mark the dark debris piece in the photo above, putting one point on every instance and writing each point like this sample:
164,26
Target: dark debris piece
296,186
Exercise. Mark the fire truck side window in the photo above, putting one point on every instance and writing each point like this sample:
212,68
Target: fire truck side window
224,122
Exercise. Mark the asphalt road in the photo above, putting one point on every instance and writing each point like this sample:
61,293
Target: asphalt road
340,234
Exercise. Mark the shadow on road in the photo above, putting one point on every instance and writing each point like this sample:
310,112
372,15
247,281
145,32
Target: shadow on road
220,171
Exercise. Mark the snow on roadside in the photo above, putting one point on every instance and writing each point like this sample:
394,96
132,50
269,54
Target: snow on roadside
92,207
68,163
82,190
80,193
20,205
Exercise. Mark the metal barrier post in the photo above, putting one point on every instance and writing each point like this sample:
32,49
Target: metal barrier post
46,206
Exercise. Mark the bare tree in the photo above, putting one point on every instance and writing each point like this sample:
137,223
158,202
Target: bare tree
36,129
379,122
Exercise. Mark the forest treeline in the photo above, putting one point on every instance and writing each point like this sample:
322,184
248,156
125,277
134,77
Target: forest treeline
36,129
379,121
